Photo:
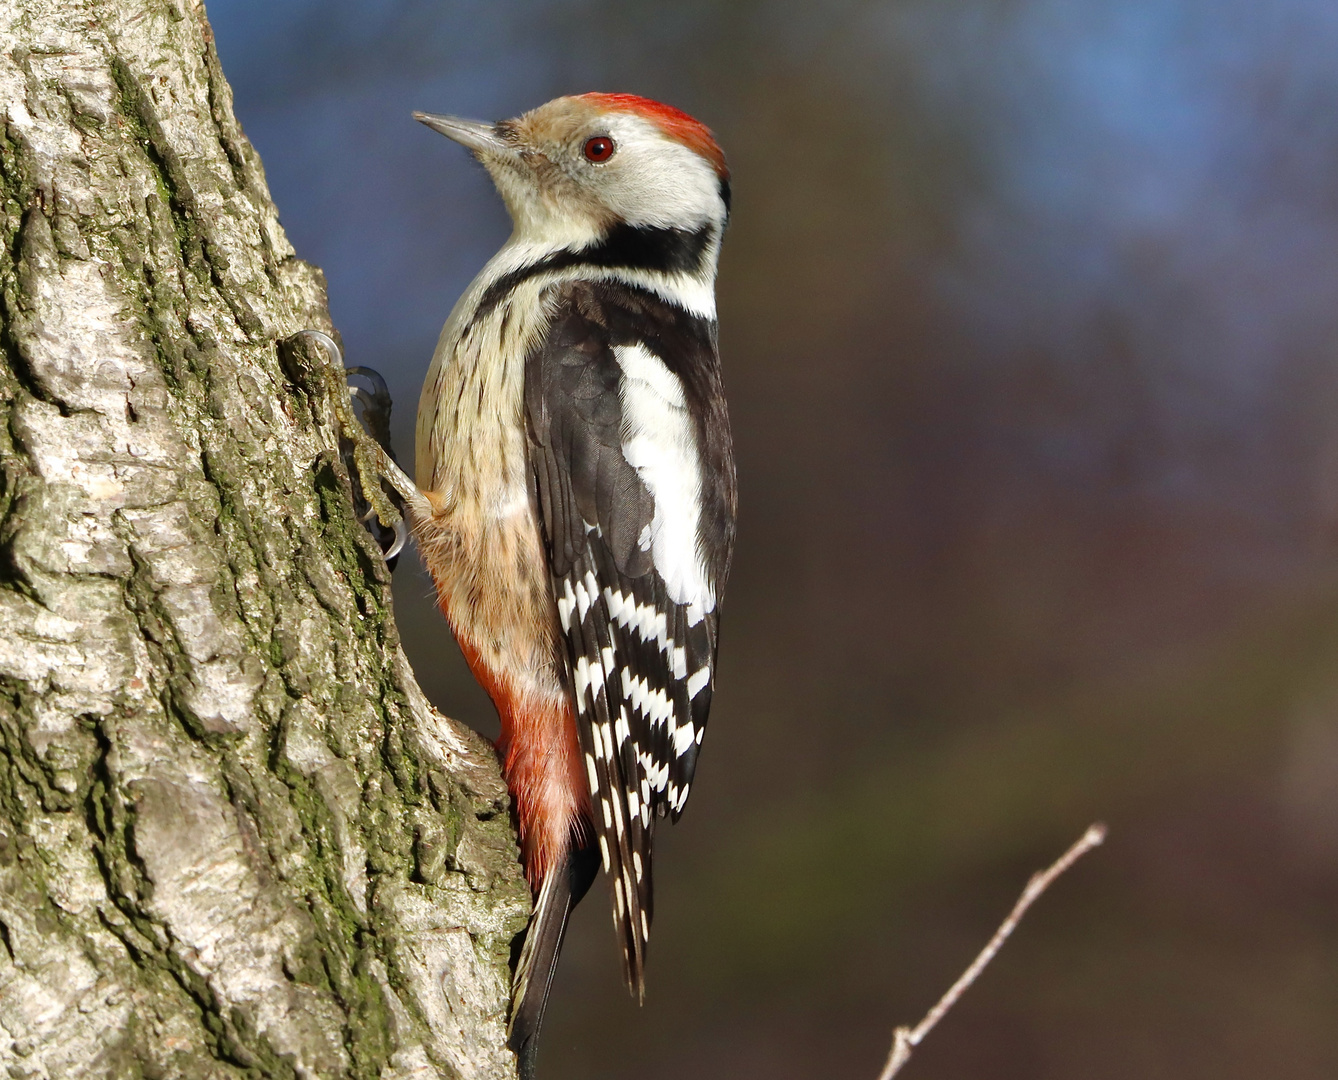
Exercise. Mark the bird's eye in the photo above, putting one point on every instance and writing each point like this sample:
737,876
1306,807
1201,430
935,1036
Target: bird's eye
599,148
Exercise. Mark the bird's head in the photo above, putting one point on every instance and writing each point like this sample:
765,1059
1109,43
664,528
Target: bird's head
576,168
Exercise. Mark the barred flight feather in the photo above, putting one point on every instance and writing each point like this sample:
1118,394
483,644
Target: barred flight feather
635,499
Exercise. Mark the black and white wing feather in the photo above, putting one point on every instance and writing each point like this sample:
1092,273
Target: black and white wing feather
636,495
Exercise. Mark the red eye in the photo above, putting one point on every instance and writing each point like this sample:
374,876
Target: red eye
599,148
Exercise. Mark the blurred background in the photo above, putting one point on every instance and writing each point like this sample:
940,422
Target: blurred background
1029,312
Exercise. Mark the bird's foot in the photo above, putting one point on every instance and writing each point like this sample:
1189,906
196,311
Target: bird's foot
366,444
375,408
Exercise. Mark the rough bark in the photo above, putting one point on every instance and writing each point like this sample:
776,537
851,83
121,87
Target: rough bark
235,839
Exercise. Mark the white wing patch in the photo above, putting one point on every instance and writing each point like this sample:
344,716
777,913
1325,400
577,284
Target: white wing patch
660,443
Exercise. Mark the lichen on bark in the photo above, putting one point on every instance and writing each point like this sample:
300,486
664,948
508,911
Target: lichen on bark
235,839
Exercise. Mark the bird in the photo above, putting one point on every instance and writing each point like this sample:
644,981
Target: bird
579,495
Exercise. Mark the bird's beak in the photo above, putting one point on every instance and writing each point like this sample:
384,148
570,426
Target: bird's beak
476,136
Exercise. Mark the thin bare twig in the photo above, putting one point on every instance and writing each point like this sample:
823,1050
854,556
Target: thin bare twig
906,1039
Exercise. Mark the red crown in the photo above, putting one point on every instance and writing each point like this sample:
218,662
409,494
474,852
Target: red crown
673,122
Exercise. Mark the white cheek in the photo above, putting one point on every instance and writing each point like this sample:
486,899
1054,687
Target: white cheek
659,441
657,181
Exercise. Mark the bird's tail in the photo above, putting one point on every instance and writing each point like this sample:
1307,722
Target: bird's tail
562,889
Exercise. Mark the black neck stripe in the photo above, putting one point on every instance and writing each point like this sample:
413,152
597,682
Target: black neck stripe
624,247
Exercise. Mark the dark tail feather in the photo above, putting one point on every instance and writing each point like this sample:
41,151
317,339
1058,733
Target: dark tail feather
561,891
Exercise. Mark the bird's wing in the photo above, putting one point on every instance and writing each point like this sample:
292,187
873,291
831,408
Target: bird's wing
634,476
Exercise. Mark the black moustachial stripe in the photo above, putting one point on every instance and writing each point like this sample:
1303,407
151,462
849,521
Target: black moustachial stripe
623,247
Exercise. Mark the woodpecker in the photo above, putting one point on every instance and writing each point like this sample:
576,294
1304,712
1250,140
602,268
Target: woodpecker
574,452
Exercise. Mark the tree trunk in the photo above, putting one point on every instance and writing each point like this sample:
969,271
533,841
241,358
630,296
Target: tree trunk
235,839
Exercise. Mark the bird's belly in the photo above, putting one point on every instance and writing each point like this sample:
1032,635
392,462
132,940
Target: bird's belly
483,547
482,543
486,557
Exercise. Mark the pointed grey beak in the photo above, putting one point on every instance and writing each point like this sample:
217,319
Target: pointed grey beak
479,137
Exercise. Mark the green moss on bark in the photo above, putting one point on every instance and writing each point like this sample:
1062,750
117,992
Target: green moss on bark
234,840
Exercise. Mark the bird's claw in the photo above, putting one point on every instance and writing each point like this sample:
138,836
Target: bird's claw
401,533
375,404
367,453
401,537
